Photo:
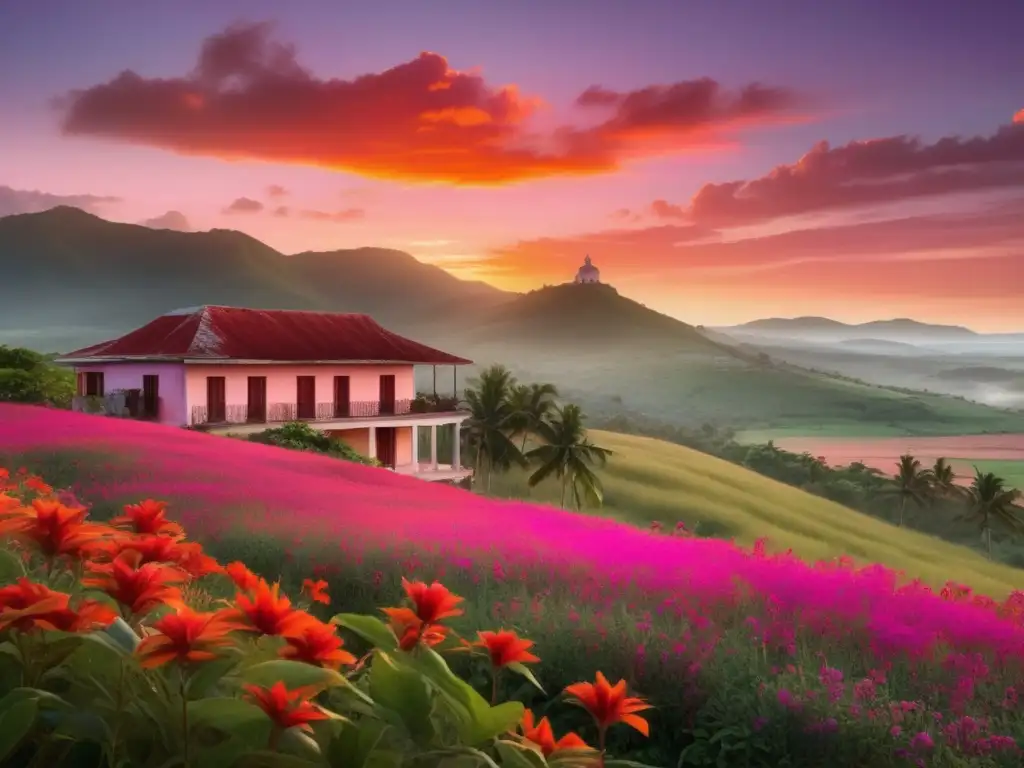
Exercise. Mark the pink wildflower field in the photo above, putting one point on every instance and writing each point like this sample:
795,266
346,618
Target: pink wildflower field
934,671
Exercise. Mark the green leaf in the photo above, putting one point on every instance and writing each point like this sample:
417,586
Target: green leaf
526,672
625,764
11,567
405,692
15,724
43,699
478,721
267,759
123,635
515,755
355,746
294,674
207,676
370,628
224,714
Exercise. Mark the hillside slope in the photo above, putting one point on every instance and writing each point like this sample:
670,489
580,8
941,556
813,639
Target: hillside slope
72,279
647,480
616,357
218,486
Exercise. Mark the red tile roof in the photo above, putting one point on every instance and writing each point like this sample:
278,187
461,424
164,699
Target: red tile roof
234,333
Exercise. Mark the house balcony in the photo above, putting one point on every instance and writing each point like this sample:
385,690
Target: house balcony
243,419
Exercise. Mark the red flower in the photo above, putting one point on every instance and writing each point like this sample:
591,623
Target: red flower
433,602
506,647
543,736
26,605
287,709
608,704
317,644
316,591
38,485
54,528
187,636
266,611
244,579
411,630
148,516
153,548
140,587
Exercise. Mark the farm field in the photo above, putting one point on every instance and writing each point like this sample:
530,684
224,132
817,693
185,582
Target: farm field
715,635
1004,451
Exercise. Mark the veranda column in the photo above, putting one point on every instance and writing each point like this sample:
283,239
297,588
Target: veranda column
433,446
415,448
373,443
456,446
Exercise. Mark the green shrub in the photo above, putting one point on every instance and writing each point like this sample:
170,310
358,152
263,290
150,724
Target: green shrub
300,436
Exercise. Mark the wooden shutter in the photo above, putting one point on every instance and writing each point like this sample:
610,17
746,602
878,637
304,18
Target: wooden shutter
216,399
342,397
387,394
305,387
257,402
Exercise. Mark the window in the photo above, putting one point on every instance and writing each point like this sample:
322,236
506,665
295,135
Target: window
90,384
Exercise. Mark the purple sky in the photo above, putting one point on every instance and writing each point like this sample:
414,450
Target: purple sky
864,70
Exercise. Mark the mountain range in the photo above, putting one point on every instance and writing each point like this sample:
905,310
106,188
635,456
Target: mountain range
72,279
824,329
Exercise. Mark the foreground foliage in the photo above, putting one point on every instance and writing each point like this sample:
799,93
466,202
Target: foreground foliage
114,652
300,436
752,657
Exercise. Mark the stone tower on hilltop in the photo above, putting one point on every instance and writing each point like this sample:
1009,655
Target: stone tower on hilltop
588,273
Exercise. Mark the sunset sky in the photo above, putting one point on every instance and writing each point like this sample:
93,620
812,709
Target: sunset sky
719,161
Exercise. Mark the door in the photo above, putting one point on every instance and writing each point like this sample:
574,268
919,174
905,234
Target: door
150,396
257,402
216,400
305,397
342,394
387,394
387,446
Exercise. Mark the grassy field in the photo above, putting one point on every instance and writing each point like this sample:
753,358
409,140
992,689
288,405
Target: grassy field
1011,471
649,480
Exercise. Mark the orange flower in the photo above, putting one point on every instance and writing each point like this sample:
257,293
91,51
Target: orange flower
138,586
433,602
148,516
410,629
608,704
54,528
26,605
187,636
244,579
266,611
153,548
543,736
317,644
37,484
316,591
287,709
506,647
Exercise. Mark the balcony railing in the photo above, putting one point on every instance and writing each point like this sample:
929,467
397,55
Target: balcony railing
279,413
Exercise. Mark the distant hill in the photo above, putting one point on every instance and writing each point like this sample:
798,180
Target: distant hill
590,317
71,278
823,328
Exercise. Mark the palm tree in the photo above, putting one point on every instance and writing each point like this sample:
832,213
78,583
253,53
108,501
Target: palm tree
491,421
912,483
567,453
943,480
991,501
532,404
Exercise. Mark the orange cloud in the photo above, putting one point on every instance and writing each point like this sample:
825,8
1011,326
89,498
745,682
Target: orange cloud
249,98
276,190
861,173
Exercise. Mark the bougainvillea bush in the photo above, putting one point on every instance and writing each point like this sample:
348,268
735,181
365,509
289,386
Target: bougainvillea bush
750,658
114,654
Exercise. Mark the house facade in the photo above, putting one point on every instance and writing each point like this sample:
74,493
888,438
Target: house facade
231,370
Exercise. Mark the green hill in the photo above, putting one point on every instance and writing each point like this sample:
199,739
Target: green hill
647,480
616,357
